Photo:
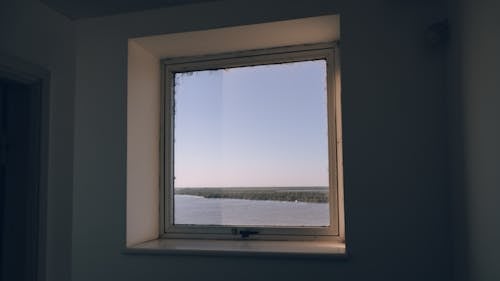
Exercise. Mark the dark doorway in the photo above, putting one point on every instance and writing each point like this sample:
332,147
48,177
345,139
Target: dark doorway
19,179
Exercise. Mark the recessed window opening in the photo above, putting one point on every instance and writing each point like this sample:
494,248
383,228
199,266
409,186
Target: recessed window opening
249,146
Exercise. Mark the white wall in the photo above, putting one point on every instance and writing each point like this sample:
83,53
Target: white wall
480,83
394,112
38,35
143,138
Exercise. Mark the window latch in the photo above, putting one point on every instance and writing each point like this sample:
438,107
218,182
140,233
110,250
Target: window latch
247,233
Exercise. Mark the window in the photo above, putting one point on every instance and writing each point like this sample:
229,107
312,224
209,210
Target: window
250,146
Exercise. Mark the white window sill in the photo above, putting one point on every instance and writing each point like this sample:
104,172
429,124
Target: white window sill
326,249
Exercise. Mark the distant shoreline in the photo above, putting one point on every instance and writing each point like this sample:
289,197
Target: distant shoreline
289,194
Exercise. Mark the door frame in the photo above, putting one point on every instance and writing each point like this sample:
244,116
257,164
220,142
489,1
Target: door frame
38,79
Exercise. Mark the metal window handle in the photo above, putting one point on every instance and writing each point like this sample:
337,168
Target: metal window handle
247,233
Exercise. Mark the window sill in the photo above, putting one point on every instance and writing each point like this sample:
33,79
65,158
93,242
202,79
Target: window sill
314,249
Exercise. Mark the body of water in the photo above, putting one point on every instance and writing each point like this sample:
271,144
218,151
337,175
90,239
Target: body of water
211,211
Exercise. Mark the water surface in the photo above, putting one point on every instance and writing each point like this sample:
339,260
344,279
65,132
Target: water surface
210,211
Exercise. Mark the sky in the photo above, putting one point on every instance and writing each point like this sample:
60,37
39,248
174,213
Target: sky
258,126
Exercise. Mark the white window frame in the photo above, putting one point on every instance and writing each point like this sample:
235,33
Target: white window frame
170,66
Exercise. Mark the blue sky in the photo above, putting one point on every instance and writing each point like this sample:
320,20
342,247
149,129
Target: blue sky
252,126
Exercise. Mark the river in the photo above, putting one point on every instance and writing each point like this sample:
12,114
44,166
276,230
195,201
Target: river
210,211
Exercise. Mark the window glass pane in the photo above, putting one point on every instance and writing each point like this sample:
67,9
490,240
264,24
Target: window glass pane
251,146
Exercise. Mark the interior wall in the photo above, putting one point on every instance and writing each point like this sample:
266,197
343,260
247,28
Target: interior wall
481,87
456,150
36,34
143,137
395,136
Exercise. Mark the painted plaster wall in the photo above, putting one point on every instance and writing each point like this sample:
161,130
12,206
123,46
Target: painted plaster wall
36,34
395,158
480,84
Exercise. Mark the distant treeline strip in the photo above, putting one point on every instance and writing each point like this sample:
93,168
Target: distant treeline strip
313,195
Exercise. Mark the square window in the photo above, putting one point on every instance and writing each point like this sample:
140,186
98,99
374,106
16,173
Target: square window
250,146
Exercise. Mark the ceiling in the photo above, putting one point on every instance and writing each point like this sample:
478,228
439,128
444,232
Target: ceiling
78,9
